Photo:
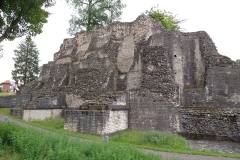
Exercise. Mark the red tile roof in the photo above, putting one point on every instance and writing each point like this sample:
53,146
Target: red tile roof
7,81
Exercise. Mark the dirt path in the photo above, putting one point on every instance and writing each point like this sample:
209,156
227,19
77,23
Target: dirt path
176,156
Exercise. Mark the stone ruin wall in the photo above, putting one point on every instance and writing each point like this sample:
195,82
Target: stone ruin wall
165,75
213,111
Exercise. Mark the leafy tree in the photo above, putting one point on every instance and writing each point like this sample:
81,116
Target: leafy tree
26,61
93,13
238,61
167,19
22,17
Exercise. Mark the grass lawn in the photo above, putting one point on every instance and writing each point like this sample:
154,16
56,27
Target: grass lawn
149,140
32,144
3,94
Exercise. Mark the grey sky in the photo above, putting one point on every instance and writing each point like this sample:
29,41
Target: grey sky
219,18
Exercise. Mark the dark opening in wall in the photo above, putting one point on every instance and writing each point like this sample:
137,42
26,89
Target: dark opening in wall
175,55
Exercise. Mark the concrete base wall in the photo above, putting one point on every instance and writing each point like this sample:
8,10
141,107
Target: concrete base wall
31,115
96,122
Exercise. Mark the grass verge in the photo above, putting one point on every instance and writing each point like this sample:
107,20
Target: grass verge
51,124
3,94
166,142
149,140
32,144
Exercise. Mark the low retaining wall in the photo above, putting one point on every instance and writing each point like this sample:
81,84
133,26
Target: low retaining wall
13,101
57,102
37,114
96,122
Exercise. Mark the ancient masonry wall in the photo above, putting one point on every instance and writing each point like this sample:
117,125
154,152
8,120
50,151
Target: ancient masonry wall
15,101
168,80
214,111
38,114
145,114
211,123
26,101
57,102
96,122
222,89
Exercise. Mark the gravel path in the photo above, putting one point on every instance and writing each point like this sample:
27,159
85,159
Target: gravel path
176,156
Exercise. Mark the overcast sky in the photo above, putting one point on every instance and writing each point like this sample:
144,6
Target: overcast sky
219,18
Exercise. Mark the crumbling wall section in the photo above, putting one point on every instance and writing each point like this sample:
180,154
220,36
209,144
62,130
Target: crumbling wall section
157,75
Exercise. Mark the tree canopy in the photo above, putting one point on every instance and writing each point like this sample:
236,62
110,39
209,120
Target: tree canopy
167,19
91,13
22,17
238,61
26,60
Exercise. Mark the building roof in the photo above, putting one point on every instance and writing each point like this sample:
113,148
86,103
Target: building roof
7,81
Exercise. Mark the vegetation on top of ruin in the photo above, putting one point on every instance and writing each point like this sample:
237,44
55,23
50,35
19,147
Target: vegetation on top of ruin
168,19
149,140
238,61
91,13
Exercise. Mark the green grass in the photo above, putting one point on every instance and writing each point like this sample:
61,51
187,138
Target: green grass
57,125
5,111
161,141
51,124
149,140
3,94
32,144
7,152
